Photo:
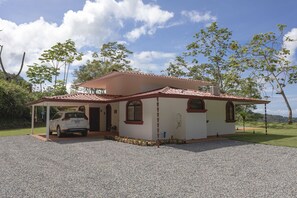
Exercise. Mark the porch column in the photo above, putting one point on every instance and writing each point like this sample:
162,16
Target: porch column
32,119
158,123
265,119
47,121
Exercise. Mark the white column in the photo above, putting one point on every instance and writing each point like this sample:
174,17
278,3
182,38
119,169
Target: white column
47,121
32,119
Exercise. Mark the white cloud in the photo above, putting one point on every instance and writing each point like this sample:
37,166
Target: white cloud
152,20
292,46
198,17
98,22
152,61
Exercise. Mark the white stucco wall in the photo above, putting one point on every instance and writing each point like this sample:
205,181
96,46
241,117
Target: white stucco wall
196,126
143,131
192,125
169,110
216,116
115,114
173,110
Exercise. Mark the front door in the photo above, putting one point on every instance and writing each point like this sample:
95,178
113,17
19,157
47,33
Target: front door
108,117
94,118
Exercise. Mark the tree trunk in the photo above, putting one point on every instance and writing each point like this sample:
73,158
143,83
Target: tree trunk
290,119
290,116
67,75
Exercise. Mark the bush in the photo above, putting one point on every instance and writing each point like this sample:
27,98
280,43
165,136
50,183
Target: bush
13,100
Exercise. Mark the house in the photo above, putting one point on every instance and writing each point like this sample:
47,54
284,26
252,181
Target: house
149,106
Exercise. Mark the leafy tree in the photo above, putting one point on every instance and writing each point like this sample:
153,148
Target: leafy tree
58,89
61,55
13,99
18,80
112,56
211,57
267,59
115,55
39,74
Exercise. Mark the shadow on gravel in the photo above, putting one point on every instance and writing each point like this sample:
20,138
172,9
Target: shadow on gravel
208,145
76,138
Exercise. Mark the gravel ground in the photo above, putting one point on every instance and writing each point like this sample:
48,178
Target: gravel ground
104,168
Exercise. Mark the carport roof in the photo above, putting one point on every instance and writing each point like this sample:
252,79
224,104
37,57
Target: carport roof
76,98
169,92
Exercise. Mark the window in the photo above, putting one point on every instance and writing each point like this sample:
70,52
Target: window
74,115
134,112
230,117
196,105
57,116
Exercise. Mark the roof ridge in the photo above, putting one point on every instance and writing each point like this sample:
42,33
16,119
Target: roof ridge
158,75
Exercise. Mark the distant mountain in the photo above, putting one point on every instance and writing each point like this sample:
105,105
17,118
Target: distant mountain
278,118
270,118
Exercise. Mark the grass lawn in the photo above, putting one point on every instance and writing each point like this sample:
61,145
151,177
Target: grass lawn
279,134
13,132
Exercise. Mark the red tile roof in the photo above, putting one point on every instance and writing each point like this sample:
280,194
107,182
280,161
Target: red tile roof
77,97
187,93
163,76
163,92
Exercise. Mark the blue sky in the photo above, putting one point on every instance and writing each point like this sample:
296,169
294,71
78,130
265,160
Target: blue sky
156,31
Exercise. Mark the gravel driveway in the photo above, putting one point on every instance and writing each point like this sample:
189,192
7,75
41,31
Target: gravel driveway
104,168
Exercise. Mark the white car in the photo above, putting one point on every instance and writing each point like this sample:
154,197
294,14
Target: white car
69,122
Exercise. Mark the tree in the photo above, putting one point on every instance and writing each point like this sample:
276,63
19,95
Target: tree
113,56
211,57
13,99
9,77
61,55
39,74
18,80
267,58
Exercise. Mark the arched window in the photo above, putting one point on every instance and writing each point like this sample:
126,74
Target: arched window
134,112
230,115
196,105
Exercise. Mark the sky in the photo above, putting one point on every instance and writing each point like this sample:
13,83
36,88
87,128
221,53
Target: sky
155,30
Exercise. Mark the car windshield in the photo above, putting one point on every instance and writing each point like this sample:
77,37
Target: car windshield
74,115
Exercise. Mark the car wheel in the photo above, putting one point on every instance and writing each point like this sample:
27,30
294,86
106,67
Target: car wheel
85,133
59,132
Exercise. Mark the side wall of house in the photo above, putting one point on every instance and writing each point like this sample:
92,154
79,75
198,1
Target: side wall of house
178,123
216,118
142,131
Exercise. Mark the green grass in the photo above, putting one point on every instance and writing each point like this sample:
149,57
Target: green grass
14,132
279,134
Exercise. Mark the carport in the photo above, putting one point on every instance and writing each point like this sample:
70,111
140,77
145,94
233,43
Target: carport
89,101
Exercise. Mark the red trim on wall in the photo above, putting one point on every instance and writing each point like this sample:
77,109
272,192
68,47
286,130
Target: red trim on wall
196,111
203,110
134,121
229,105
